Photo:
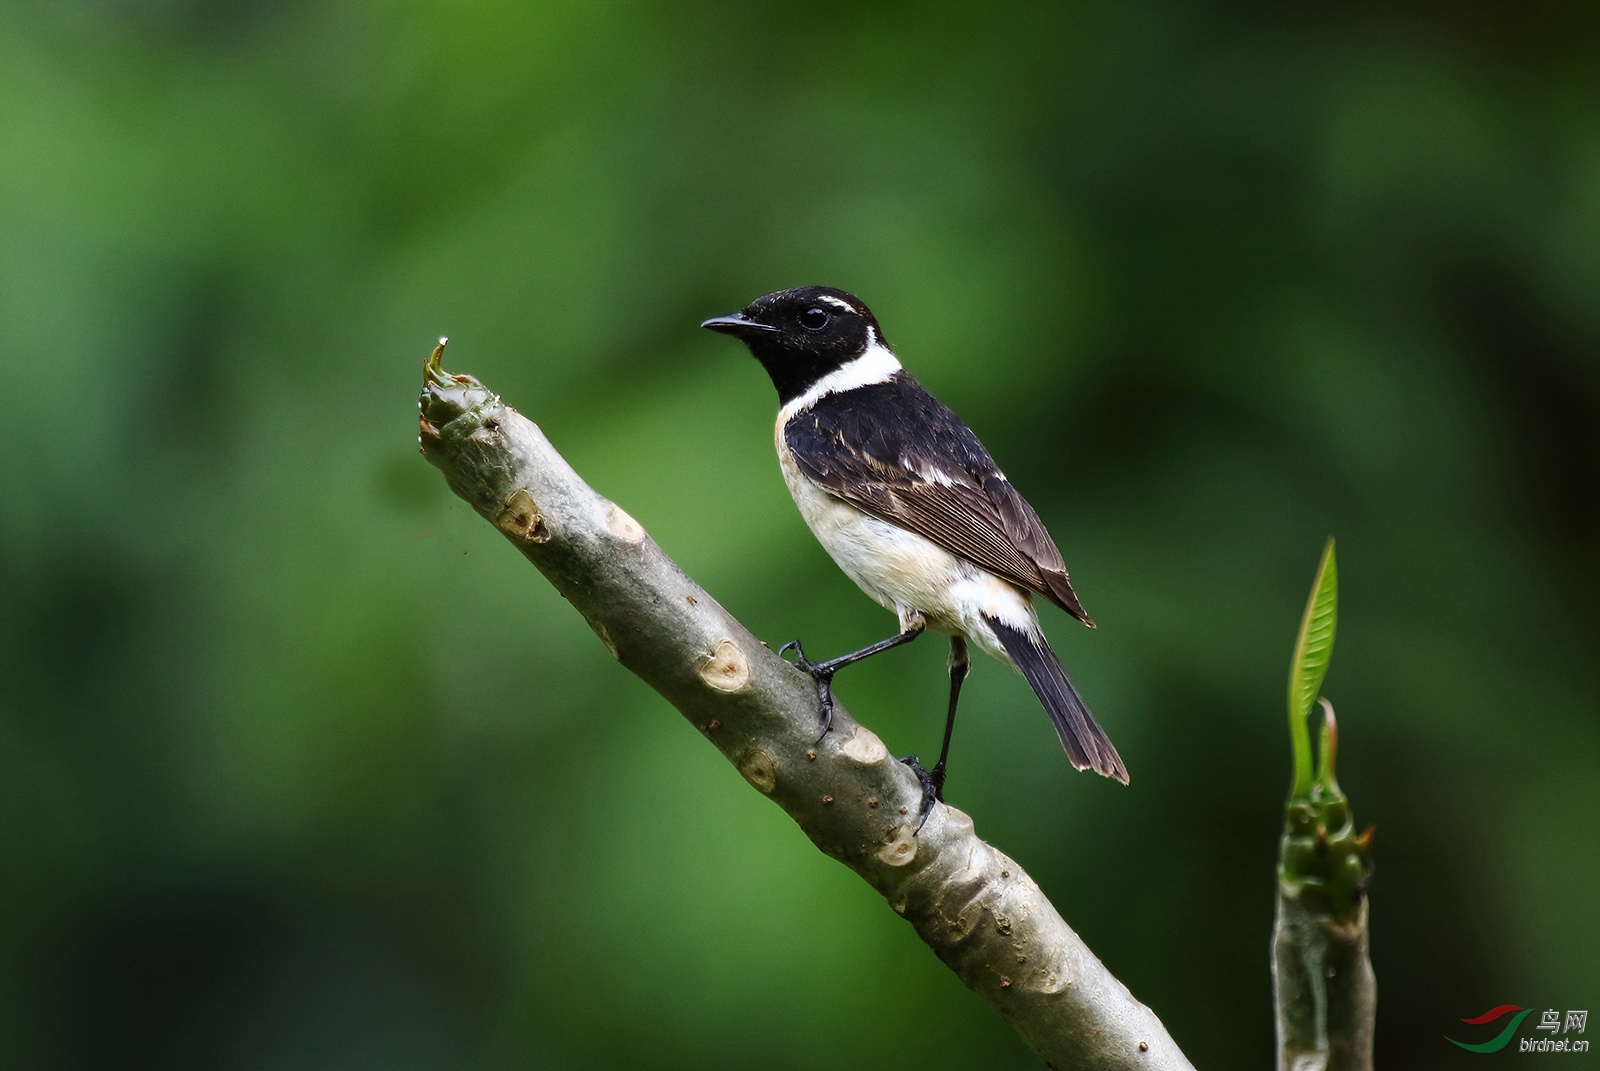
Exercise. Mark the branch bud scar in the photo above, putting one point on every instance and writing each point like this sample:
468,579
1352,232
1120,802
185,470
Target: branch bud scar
624,526
759,770
865,747
520,519
901,849
727,670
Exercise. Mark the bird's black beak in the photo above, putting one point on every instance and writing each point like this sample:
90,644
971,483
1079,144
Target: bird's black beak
739,325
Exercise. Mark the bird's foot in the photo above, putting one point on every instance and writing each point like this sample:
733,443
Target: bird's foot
822,674
932,787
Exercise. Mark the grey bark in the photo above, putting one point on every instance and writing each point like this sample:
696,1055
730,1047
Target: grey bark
979,912
1323,987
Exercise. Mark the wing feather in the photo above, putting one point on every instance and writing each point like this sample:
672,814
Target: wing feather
894,451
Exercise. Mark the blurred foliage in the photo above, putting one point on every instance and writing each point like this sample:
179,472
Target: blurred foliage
302,767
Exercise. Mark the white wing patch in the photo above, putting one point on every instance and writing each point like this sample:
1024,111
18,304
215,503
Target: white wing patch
940,477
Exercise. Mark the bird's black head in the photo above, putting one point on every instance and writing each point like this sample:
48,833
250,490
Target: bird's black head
801,335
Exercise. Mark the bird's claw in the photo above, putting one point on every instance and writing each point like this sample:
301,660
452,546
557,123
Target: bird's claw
932,787
822,674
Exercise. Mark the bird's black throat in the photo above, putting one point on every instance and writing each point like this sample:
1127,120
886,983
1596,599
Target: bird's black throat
793,372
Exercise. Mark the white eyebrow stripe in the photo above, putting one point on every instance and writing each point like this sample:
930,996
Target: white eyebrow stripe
838,303
876,365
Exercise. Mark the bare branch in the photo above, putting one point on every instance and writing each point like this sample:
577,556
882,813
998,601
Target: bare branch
986,919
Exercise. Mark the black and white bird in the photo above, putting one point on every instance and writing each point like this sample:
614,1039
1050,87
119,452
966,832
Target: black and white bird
911,506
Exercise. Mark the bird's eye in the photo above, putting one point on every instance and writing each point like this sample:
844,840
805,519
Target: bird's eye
814,319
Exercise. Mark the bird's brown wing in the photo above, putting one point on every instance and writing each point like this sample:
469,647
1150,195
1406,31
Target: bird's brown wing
893,450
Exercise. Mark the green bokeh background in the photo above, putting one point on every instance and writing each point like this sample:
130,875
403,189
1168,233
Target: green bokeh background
301,766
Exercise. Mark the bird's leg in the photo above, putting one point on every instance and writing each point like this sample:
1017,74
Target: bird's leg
959,667
912,626
933,780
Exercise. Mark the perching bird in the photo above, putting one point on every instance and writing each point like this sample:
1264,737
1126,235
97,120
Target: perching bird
911,506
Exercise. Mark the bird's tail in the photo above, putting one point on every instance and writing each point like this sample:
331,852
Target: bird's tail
1085,742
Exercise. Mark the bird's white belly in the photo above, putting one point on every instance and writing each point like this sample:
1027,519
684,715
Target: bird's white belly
905,572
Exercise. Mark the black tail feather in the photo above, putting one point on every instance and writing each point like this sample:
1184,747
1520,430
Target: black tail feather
1085,742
